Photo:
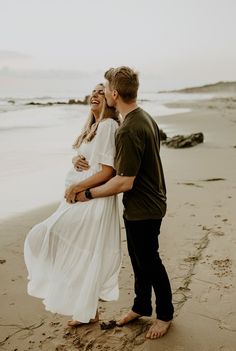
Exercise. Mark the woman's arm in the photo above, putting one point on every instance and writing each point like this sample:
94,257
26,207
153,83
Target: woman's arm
106,173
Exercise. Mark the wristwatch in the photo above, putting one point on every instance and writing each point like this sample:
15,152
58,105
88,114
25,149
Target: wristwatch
88,194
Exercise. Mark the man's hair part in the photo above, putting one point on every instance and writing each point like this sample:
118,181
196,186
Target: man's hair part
125,81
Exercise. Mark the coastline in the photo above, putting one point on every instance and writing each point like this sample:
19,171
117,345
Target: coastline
197,244
36,148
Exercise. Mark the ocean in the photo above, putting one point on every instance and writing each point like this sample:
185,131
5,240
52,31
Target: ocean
36,145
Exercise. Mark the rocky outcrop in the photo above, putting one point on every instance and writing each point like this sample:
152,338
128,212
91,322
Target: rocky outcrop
163,135
181,141
79,102
70,102
229,87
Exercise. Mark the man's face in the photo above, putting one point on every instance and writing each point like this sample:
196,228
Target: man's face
109,95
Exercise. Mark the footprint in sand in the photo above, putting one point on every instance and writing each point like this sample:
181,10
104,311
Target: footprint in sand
61,348
229,322
222,267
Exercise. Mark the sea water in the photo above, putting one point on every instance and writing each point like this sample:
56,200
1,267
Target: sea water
36,146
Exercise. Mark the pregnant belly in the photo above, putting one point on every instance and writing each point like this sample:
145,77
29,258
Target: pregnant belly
74,176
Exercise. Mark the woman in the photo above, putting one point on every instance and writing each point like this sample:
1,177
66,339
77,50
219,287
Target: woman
74,256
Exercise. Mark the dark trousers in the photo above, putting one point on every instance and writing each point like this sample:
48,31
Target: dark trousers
142,240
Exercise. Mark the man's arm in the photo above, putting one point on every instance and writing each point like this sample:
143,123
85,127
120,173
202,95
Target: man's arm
116,185
96,179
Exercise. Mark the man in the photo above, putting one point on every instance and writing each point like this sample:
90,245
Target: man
139,175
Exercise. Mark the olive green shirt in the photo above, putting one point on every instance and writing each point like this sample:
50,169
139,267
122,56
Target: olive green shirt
138,154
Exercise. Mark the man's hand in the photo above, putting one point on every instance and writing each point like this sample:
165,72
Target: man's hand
80,197
80,163
71,192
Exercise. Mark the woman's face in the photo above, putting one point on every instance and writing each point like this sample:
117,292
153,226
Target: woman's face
97,98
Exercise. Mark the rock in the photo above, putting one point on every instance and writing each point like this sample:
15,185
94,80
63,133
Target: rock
213,179
39,103
86,100
181,141
72,101
110,325
11,101
163,135
79,102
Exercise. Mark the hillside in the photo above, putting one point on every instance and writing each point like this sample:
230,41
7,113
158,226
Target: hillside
219,87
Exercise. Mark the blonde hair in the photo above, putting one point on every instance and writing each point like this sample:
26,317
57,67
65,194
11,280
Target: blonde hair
90,128
125,81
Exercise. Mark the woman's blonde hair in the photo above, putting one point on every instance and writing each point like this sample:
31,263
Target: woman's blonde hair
90,128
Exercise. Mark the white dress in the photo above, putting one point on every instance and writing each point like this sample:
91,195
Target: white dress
74,256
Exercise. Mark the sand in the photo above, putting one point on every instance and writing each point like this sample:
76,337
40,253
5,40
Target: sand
197,246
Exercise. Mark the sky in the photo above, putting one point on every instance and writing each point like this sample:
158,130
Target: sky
172,43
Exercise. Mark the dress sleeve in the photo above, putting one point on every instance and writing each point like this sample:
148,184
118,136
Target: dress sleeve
104,143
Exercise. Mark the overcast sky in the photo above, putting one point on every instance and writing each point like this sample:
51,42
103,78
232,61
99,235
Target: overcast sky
176,41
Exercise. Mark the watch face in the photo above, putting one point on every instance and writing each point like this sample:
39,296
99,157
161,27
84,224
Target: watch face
88,194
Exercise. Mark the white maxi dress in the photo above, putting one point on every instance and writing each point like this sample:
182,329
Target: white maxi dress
74,256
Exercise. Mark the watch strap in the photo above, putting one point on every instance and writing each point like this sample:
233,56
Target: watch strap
88,194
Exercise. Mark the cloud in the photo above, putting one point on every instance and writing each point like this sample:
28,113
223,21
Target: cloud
46,74
13,55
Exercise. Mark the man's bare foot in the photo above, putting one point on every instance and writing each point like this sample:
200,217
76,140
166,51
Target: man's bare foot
158,329
129,317
75,323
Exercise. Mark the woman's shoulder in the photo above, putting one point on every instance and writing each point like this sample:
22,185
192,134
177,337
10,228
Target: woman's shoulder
108,123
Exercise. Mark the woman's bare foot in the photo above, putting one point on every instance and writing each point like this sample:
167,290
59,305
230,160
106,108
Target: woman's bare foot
129,317
158,329
75,323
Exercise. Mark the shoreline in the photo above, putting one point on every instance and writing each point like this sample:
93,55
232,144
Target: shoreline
197,246
44,137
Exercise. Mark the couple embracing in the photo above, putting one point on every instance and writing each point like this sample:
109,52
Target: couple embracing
74,256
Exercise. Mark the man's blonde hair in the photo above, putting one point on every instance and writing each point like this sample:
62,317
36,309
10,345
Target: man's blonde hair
125,81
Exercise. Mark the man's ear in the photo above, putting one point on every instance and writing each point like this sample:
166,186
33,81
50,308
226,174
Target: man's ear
115,94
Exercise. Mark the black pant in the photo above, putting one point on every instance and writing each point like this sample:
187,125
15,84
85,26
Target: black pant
142,240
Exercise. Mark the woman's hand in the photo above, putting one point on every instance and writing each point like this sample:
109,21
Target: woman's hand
80,163
71,192
80,197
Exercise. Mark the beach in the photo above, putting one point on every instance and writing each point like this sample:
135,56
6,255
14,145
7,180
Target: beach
36,147
197,245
